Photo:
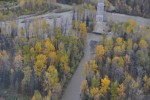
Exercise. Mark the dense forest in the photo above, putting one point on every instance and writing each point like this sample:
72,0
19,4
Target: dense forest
132,7
120,69
38,57
37,63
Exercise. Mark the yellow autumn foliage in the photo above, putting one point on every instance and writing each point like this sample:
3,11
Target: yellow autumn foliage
84,86
100,51
119,41
119,61
40,64
105,82
83,31
121,90
143,44
93,65
38,47
94,92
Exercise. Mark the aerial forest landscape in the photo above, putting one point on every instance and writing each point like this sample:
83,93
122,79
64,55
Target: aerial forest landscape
74,49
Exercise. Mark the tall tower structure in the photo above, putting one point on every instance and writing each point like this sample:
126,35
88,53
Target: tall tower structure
100,25
100,11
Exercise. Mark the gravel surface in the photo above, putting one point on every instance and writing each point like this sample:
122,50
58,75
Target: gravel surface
125,18
72,91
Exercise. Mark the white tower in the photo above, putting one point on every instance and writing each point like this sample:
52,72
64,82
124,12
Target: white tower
100,25
100,11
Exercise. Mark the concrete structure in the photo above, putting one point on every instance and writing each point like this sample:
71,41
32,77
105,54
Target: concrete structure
100,25
100,11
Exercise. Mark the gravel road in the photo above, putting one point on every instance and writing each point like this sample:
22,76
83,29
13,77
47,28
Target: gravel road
72,91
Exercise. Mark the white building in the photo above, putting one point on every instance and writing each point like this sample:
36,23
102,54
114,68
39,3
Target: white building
100,25
100,11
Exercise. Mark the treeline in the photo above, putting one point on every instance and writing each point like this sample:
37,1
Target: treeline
26,7
120,69
132,7
70,1
8,0
32,4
